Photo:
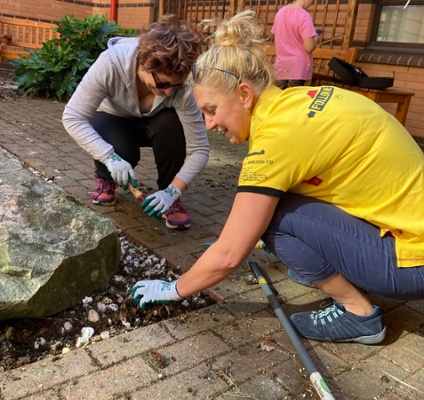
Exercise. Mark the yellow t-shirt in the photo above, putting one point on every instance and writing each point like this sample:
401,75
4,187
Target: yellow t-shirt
340,147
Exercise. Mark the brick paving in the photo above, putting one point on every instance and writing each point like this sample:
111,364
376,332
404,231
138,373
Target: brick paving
235,349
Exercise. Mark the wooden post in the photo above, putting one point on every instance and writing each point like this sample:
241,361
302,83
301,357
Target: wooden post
3,47
160,12
352,12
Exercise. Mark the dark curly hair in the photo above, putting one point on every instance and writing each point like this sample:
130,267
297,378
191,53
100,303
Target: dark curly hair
170,47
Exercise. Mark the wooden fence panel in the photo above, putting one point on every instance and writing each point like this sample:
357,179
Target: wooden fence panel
335,18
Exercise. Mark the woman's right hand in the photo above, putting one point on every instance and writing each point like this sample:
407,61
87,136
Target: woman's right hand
120,170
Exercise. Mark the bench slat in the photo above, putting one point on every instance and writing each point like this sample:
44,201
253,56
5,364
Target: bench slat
18,35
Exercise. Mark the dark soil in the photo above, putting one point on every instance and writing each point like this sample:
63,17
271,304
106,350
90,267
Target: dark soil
24,341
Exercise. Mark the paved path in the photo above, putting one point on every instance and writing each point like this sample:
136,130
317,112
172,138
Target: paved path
232,350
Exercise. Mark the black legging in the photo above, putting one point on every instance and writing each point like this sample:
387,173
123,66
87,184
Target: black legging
163,132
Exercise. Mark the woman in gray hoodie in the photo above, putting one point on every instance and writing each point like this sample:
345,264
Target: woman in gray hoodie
133,96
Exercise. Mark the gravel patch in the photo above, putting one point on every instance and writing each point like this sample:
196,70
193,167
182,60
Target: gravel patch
97,317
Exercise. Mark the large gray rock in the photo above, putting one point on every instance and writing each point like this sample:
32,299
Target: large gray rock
54,250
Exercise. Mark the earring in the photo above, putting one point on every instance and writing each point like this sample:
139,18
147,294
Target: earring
247,111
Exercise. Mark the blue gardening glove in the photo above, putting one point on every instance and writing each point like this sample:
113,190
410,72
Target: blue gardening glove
156,291
120,170
158,203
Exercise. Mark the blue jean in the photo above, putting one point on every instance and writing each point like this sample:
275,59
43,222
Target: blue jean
317,239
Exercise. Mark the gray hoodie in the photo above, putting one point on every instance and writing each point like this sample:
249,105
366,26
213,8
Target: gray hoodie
110,86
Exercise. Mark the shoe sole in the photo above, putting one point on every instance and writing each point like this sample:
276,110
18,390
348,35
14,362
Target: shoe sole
103,203
176,227
372,339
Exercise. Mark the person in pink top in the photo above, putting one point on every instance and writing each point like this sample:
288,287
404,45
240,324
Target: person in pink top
295,39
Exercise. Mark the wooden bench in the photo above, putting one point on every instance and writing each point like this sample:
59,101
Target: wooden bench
321,58
17,36
322,75
402,98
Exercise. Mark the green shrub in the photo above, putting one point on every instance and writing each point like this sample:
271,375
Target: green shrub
56,69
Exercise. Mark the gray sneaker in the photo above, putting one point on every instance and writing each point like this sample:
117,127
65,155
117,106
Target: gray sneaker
335,324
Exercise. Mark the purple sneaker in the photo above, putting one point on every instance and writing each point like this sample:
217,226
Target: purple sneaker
104,194
176,217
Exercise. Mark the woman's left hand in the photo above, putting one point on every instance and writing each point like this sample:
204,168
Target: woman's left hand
155,291
158,203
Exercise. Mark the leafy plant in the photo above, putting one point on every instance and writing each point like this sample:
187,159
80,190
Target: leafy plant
59,65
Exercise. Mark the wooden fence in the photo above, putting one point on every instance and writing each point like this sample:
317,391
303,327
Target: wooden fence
335,17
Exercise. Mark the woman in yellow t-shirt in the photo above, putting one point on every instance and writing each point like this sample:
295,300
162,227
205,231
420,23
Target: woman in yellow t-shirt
332,183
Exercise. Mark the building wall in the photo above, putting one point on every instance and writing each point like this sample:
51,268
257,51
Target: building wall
129,13
363,22
138,14
408,78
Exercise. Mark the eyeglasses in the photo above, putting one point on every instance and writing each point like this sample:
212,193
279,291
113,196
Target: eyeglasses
166,85
194,69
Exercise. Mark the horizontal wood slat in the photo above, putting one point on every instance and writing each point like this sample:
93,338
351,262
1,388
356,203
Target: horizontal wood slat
17,36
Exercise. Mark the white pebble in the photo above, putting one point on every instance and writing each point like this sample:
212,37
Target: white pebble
93,316
105,335
81,341
66,350
126,324
114,307
101,307
67,326
118,278
87,332
87,300
56,346
40,342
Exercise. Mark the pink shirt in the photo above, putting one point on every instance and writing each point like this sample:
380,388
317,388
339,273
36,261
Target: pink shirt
292,25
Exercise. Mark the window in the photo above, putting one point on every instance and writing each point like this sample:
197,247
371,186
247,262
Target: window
399,26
